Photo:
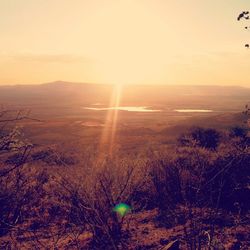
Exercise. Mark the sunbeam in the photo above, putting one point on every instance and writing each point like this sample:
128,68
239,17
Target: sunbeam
110,127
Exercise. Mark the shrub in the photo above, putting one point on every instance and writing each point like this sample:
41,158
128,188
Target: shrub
206,138
93,201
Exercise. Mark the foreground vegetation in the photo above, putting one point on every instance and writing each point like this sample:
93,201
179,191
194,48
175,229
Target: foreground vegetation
195,192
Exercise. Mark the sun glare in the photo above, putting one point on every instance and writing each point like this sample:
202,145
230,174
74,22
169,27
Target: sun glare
133,43
110,127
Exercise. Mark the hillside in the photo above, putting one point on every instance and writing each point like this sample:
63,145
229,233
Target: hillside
82,93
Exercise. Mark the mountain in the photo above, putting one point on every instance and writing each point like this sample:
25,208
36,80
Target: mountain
61,92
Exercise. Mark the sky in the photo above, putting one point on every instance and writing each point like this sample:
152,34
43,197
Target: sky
184,42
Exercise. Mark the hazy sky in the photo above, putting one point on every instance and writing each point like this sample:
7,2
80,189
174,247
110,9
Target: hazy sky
124,41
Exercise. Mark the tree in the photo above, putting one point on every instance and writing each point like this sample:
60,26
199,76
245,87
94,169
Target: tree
12,193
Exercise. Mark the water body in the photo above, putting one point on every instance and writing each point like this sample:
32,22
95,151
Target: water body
130,109
193,110
147,109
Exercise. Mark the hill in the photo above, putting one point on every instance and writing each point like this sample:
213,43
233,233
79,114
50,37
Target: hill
61,92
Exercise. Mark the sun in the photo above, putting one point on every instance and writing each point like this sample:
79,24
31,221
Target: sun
129,43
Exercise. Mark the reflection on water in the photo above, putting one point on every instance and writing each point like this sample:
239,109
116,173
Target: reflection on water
147,109
131,109
193,110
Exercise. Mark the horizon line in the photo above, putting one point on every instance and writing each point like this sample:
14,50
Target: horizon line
128,84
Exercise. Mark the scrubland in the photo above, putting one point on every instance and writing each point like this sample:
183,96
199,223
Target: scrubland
185,184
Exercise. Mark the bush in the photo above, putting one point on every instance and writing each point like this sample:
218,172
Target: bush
206,138
198,182
93,201
238,132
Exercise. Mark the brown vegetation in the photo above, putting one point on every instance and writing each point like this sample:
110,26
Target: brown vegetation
195,192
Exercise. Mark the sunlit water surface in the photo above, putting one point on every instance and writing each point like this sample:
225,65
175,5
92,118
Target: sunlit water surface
130,109
147,109
193,110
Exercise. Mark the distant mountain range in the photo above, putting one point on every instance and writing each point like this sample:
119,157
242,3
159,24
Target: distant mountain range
83,93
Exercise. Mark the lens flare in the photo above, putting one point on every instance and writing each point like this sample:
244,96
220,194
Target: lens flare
122,209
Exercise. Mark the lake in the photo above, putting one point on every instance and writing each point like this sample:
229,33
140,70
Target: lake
130,109
193,110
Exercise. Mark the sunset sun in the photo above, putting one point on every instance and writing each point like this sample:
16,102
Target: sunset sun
134,43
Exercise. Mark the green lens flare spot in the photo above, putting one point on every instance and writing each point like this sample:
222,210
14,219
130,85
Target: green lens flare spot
122,209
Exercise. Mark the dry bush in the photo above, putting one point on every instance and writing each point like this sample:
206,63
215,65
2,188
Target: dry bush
94,197
13,192
202,137
196,185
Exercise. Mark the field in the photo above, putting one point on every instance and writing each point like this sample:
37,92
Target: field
75,164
